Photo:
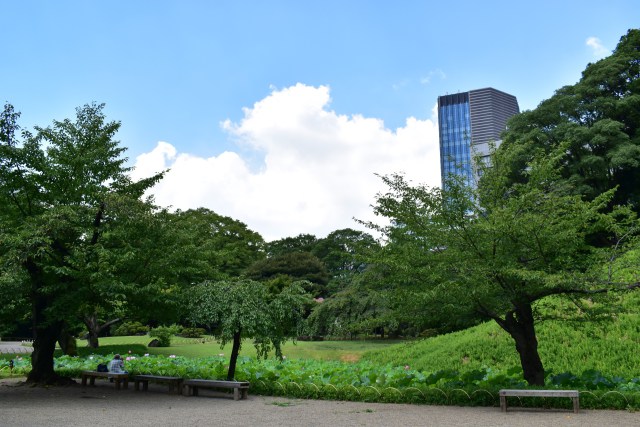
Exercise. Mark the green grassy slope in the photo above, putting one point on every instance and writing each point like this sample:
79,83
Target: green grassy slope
611,347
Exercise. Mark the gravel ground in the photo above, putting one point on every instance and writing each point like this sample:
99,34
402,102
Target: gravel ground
102,405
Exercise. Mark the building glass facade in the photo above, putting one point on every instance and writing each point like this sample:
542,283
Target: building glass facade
454,122
469,123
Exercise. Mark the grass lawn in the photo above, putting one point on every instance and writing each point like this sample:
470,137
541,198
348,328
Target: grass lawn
348,351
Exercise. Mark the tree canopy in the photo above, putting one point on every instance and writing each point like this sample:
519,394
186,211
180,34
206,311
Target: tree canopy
597,120
64,196
293,266
215,247
496,251
238,309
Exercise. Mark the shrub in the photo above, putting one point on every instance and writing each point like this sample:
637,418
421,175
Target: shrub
192,332
164,334
129,328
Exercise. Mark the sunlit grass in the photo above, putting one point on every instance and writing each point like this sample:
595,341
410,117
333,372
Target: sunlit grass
610,347
347,351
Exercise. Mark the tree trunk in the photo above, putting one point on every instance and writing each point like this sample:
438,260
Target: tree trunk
235,351
277,346
67,343
91,322
46,331
42,356
44,345
519,323
94,328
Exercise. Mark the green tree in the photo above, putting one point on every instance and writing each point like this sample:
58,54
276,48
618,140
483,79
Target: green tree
597,120
299,243
295,266
344,254
219,247
239,309
353,311
497,251
56,191
134,271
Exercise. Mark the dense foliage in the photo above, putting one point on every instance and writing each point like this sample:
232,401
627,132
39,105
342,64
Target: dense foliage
496,258
241,309
597,120
65,202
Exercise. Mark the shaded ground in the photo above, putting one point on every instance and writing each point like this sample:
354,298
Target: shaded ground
102,405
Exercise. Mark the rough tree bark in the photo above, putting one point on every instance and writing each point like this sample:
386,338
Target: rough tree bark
519,324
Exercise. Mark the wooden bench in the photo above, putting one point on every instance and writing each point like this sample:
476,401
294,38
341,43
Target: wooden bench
573,394
240,388
175,383
117,378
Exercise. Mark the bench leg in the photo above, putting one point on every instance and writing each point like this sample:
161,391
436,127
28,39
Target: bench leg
190,390
245,393
576,404
503,403
236,394
175,387
92,381
84,380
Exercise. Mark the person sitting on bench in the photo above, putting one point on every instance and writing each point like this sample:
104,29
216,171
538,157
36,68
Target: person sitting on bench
116,366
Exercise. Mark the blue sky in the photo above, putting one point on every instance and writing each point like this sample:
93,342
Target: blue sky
279,113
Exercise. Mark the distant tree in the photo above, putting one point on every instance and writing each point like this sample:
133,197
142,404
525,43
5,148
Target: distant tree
354,311
239,309
219,247
57,188
344,253
296,266
299,243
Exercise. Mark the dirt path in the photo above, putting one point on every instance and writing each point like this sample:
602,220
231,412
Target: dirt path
22,405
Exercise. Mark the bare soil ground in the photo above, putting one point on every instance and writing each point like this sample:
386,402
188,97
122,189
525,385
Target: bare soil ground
102,405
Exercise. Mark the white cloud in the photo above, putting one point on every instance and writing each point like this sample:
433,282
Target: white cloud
425,80
318,169
597,47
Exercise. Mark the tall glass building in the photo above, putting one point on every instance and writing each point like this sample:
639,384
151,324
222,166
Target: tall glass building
468,123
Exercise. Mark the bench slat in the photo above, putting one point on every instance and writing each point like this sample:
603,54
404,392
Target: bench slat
174,382
240,388
573,394
217,383
541,393
117,377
